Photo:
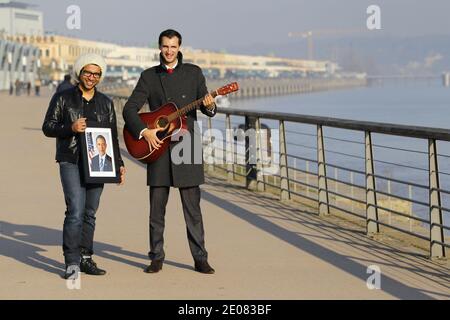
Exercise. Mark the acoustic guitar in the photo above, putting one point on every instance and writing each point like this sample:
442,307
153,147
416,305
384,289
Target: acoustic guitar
172,120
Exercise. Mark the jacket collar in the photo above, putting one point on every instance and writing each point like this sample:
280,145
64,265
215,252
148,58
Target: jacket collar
79,93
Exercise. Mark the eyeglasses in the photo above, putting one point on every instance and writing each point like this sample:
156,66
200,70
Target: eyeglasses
88,74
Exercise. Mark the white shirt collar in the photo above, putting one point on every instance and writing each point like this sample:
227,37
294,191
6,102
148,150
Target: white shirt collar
167,67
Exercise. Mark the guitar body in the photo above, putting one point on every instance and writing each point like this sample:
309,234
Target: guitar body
172,119
139,149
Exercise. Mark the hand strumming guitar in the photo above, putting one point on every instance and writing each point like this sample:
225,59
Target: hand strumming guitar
153,141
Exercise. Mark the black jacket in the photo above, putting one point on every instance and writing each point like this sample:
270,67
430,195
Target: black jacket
66,107
185,85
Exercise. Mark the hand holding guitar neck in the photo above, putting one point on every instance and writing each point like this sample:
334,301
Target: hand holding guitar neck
208,102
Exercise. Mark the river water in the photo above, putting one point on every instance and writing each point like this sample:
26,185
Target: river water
415,103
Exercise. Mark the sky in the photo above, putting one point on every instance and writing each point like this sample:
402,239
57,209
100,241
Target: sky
220,25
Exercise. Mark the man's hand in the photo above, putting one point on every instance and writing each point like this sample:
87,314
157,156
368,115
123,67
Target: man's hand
122,175
152,138
208,102
79,125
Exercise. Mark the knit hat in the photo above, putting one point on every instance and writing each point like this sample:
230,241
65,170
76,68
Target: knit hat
84,60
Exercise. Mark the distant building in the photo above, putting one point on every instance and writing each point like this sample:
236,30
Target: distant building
224,65
59,53
16,18
18,61
56,54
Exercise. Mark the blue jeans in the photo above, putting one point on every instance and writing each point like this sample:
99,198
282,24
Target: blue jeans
82,201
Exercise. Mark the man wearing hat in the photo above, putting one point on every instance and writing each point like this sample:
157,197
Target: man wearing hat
65,118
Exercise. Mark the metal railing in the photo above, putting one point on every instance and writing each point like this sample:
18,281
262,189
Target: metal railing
317,185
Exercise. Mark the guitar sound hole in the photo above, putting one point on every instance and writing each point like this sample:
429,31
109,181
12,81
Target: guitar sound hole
161,134
162,122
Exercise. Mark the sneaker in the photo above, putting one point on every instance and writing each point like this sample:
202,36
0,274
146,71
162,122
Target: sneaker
88,266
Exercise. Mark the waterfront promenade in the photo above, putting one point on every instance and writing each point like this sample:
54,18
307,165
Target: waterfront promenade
261,248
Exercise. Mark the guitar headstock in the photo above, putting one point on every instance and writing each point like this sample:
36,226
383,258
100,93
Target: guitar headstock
232,87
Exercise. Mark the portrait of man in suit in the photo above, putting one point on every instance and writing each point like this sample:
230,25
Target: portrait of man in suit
102,161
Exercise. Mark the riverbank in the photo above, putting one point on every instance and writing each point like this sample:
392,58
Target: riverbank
253,88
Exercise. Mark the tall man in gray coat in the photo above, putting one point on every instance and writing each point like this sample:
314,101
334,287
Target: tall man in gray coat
180,83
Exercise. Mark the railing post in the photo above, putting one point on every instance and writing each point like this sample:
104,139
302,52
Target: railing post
336,177
285,193
295,174
260,186
437,250
371,196
324,209
250,156
211,146
352,190
410,196
229,149
307,177
390,203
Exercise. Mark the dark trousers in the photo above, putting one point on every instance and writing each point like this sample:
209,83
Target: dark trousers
190,199
82,202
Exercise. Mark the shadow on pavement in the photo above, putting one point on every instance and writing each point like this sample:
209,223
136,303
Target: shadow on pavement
21,242
345,263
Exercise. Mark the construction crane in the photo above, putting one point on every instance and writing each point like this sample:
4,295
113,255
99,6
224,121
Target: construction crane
308,35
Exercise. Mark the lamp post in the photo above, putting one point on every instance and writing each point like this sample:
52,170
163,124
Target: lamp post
53,70
24,66
38,67
9,58
62,67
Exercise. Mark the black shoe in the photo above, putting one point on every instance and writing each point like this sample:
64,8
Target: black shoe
154,267
203,267
88,266
71,271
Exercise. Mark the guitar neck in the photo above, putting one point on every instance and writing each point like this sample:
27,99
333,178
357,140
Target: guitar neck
191,106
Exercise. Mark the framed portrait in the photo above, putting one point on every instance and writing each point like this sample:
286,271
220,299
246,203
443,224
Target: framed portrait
99,154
